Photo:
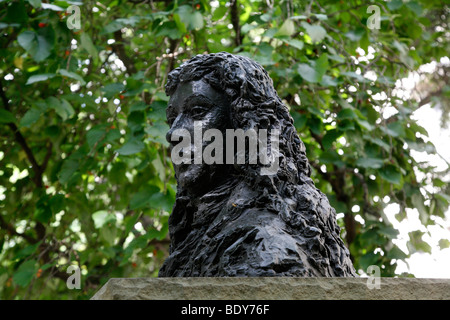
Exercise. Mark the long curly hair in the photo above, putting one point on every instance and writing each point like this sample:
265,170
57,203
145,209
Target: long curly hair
290,193
255,104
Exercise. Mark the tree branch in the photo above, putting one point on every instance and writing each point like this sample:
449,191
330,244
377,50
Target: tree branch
47,156
337,182
428,98
11,230
22,142
119,49
235,22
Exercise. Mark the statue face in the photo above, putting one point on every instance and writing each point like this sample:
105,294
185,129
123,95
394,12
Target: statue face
198,101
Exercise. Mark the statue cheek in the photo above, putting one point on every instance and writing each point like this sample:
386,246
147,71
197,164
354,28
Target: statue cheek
217,119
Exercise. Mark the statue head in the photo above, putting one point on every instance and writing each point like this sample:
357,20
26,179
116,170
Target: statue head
237,218
225,91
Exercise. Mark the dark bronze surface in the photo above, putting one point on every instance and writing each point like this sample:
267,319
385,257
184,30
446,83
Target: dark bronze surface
229,219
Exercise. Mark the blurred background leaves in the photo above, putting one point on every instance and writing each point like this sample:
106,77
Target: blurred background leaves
85,173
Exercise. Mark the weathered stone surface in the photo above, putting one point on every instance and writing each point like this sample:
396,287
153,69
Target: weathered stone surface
272,288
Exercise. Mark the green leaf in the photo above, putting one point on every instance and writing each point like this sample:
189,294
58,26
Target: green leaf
328,81
321,64
365,124
130,222
43,212
39,77
157,133
169,29
396,129
444,244
346,125
6,116
315,70
336,204
315,32
442,196
219,12
112,135
355,35
26,272
138,106
103,217
15,12
192,19
160,201
112,89
51,7
112,27
331,157
88,45
68,168
299,120
142,199
72,75
108,235
320,16
416,243
330,137
27,40
396,253
371,237
62,107
414,7
96,134
132,146
30,117
394,4
27,251
308,73
67,107
57,203
159,168
295,43
369,259
419,203
354,75
286,29
370,163
315,124
139,200
421,146
35,3
389,232
247,27
391,174
136,120
38,45
346,114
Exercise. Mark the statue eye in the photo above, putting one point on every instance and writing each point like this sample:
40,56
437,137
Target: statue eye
199,111
170,120
171,116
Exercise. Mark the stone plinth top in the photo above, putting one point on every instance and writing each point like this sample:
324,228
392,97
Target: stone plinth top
276,288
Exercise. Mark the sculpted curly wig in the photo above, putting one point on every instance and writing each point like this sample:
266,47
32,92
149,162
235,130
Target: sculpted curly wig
308,236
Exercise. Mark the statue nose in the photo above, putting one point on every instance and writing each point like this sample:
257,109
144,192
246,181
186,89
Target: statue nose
169,135
175,125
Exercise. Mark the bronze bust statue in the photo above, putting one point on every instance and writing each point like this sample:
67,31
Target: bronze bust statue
231,219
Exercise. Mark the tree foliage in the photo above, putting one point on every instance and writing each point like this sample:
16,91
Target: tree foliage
85,174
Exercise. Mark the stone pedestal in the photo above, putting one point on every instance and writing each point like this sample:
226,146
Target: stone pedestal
276,288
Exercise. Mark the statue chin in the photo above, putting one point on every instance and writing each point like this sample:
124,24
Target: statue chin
198,179
188,176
